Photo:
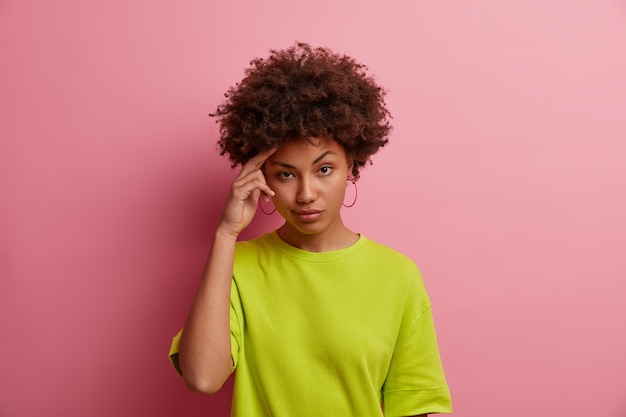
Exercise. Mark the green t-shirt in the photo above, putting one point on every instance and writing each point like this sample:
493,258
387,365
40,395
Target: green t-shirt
334,333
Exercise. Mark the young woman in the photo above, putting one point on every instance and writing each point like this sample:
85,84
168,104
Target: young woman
316,319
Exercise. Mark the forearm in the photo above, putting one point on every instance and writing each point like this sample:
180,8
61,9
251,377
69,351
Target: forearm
205,357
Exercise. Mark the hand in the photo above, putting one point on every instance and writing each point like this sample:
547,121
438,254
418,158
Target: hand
244,194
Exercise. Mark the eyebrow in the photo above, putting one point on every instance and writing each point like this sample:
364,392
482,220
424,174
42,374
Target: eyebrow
319,158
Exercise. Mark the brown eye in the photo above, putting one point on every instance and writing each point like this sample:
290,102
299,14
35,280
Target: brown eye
325,170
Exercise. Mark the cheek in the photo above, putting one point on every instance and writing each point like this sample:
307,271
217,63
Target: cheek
282,193
338,191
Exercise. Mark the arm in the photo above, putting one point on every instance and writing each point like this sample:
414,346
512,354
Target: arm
205,357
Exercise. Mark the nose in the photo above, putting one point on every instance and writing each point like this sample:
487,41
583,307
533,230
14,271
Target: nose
307,192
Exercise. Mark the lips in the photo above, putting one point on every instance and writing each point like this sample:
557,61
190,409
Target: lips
307,215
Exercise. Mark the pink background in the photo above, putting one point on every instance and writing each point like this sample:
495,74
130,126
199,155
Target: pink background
505,180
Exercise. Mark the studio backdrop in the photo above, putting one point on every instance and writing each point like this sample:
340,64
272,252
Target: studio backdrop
504,180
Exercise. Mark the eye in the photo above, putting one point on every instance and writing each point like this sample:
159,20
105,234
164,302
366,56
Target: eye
283,175
326,170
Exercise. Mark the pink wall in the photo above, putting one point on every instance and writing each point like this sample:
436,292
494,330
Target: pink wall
505,179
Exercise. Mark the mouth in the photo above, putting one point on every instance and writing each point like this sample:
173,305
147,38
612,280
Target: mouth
307,215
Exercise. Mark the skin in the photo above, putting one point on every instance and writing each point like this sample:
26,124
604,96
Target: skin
309,178
306,180
204,355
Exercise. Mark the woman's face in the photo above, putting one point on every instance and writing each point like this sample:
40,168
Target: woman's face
309,177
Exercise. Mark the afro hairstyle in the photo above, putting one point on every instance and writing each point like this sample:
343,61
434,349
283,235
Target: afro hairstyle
304,92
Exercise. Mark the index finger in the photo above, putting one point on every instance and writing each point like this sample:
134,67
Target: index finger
257,161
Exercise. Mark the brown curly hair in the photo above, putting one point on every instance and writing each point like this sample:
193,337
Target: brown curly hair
304,92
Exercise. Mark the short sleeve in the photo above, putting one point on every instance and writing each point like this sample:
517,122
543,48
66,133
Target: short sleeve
236,332
236,324
415,382
174,348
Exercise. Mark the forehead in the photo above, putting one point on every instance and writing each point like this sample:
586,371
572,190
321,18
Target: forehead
307,149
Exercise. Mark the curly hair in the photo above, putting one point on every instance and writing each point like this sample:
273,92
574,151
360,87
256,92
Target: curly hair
304,92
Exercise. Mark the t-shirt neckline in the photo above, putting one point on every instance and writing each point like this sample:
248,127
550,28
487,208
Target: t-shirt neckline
305,255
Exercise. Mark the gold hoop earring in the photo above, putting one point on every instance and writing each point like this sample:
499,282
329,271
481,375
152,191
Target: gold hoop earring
261,207
352,180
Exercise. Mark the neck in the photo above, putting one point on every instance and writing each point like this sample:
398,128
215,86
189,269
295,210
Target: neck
341,237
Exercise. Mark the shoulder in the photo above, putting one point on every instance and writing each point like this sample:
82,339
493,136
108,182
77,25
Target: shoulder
252,253
255,245
394,265
389,257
